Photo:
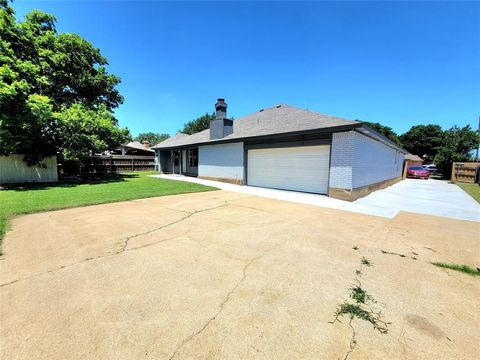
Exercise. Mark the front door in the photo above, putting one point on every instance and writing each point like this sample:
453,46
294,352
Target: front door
176,161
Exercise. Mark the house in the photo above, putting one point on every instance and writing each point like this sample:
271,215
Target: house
284,147
135,148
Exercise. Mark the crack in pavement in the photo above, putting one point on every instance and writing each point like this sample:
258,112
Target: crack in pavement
353,341
221,307
10,282
254,208
124,245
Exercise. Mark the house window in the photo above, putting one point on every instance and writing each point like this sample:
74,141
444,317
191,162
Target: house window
193,157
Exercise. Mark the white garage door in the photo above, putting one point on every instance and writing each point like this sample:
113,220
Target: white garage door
302,168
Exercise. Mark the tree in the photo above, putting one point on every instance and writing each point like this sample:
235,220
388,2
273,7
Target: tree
198,124
85,129
423,140
55,92
457,146
384,130
151,137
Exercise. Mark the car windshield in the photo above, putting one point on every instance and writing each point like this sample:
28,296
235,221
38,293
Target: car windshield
416,168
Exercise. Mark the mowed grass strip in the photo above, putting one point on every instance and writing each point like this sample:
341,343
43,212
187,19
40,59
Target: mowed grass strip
30,198
472,189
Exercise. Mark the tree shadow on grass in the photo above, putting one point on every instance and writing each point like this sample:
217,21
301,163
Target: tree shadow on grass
91,179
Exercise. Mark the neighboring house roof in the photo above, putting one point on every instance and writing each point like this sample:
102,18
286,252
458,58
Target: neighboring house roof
412,157
279,119
137,146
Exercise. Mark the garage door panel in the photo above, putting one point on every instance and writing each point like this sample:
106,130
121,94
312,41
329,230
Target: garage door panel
293,168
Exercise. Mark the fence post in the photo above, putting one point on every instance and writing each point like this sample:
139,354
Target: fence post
453,177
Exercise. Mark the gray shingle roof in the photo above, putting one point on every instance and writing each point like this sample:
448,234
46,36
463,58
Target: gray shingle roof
138,145
275,120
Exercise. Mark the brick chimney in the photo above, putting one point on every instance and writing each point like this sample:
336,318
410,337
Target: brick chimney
146,144
220,126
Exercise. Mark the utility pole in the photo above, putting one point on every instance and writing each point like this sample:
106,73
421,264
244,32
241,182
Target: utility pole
476,154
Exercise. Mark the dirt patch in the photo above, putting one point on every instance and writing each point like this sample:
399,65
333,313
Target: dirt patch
425,326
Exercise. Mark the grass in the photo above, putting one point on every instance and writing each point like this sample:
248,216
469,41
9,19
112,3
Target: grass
472,189
360,295
366,262
30,198
457,267
356,311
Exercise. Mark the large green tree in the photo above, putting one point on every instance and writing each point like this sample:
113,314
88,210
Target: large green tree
151,137
457,146
56,95
423,140
199,124
384,130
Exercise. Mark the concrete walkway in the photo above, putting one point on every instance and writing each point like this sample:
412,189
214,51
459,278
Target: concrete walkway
429,197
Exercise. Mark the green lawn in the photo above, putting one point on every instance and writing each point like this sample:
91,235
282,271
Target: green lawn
472,189
32,198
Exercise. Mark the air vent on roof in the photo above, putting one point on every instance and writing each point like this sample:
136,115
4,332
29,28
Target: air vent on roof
277,106
261,110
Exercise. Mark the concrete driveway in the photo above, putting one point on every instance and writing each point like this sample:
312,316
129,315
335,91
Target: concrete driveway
431,197
222,275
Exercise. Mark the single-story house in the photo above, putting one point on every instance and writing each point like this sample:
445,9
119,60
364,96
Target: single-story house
135,148
284,147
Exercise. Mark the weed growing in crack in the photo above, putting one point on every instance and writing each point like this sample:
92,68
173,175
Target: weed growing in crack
366,262
355,247
397,254
356,311
360,295
361,308
392,253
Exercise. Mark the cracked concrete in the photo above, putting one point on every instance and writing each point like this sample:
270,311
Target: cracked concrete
221,275
222,305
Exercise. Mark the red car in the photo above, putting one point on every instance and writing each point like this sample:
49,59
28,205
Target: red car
417,172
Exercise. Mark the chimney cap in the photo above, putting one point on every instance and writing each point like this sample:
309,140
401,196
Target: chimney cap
221,100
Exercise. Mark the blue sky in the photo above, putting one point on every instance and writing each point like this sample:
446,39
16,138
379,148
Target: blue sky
397,63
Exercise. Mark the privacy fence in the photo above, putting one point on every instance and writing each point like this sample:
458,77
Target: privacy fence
465,172
116,164
14,170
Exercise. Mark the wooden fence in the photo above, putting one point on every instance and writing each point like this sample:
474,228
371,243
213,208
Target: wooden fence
117,164
464,172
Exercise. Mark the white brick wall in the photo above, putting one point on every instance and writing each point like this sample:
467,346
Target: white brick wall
374,162
341,159
357,160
